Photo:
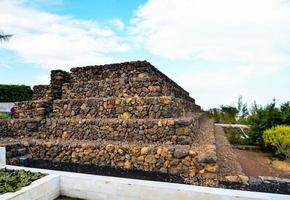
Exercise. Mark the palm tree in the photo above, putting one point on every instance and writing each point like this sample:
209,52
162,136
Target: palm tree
4,37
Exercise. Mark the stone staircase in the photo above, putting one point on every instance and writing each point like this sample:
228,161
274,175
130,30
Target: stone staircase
127,115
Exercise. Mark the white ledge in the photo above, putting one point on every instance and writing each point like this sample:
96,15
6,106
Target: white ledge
94,187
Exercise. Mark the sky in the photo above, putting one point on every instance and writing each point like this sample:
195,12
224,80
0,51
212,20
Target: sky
216,50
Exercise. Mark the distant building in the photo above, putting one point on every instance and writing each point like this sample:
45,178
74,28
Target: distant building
6,107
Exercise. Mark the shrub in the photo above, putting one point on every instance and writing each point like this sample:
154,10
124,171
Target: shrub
265,118
13,93
235,137
224,114
4,116
279,138
230,114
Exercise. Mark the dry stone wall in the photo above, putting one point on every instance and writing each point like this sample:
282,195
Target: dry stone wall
140,86
127,115
33,109
41,92
170,131
123,108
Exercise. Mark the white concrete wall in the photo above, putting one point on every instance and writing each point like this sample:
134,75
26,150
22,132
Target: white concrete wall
46,188
6,107
2,156
110,188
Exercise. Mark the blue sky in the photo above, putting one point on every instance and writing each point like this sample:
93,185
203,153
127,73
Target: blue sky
215,50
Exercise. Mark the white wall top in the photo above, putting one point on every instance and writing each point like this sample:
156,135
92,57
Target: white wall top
2,156
6,107
94,187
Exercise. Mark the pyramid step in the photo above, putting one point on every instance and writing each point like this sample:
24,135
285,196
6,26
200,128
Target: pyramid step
173,131
172,159
111,71
126,108
38,109
145,107
122,87
138,69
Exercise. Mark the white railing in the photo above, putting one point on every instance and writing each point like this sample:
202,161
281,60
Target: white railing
233,125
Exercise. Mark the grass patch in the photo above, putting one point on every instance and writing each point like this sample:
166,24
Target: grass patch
4,116
14,180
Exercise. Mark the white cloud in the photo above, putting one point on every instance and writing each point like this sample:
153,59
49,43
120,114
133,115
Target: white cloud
42,79
118,24
232,44
241,42
54,41
251,32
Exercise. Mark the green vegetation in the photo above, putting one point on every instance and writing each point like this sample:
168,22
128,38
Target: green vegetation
14,93
224,114
263,118
12,180
232,114
278,138
235,137
4,116
259,119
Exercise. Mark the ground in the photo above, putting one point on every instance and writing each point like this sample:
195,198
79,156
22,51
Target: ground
257,163
246,162
227,160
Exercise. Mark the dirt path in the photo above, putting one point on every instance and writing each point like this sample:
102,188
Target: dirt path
227,160
256,163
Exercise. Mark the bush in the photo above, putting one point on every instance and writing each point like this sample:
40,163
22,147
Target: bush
230,114
235,137
4,116
265,118
14,93
279,138
224,114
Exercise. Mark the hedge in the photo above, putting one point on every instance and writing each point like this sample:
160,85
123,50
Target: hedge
15,93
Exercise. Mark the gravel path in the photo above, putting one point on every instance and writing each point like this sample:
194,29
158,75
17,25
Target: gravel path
256,163
227,160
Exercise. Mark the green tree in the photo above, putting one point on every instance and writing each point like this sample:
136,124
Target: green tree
266,118
253,108
4,37
242,109
13,93
215,114
285,109
228,114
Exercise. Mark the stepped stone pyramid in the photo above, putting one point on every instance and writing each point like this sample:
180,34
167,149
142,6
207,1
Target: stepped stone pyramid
126,115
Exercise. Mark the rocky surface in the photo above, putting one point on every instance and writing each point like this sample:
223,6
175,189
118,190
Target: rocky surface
125,108
126,116
170,131
227,159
